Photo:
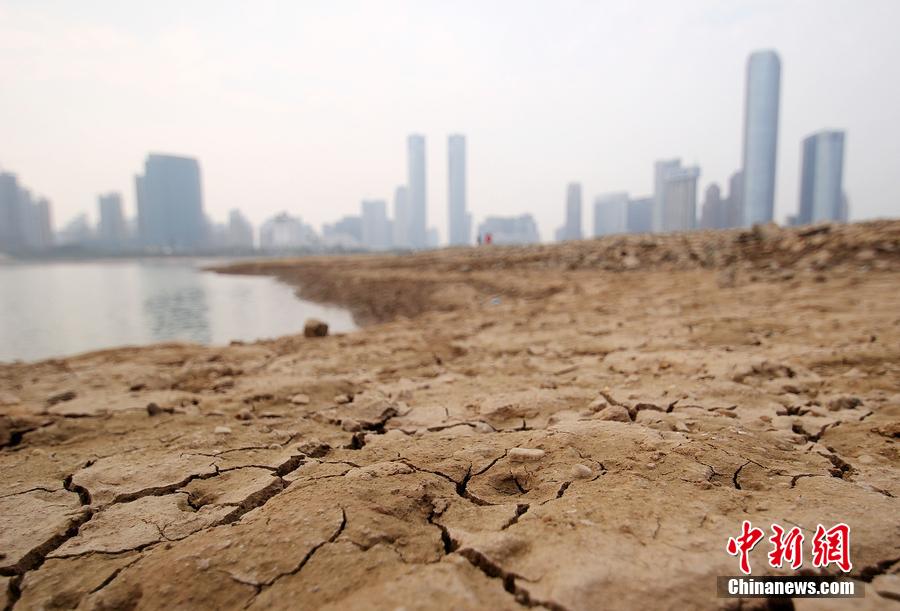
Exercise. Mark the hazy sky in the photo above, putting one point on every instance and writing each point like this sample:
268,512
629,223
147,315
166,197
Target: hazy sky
305,106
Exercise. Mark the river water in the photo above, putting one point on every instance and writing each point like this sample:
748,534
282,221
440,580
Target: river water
63,308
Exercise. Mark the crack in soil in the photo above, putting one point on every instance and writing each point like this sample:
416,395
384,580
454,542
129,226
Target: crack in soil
260,587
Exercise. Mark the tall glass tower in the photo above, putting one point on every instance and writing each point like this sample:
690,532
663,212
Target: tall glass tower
459,221
761,136
415,184
821,179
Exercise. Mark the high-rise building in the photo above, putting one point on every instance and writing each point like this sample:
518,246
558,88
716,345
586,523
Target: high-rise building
640,215
170,203
376,229
11,218
610,214
714,213
418,208
680,199
734,209
660,170
571,230
459,220
674,196
401,218
510,230
760,136
111,230
25,222
821,179
239,232
44,223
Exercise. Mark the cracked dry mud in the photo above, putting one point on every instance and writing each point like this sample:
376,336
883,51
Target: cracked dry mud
569,427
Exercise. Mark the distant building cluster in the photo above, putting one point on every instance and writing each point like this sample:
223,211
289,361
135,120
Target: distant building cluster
751,190
26,222
509,230
171,218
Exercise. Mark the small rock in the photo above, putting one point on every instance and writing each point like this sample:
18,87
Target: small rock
315,328
244,414
598,404
154,410
350,425
61,397
483,427
342,399
682,427
525,454
844,403
222,430
581,471
615,413
314,448
300,399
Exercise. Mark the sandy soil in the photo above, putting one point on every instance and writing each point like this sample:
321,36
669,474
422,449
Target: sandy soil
577,426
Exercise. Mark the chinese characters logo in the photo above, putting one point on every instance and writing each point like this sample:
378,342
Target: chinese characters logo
829,546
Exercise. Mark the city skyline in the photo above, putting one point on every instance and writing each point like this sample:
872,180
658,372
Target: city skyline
295,134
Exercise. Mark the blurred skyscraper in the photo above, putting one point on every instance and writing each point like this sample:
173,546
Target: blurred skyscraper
111,229
660,171
11,219
43,219
735,206
25,223
376,228
640,215
572,230
674,196
821,180
611,214
170,203
680,199
459,220
714,214
401,218
418,211
240,231
760,136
